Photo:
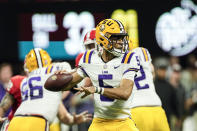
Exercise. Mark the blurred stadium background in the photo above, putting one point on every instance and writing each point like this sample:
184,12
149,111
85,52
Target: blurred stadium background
167,28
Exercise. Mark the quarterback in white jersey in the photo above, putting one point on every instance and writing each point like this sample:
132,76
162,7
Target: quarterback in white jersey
108,75
112,70
39,106
146,110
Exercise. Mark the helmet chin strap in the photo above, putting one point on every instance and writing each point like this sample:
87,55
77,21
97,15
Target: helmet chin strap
115,53
99,49
107,55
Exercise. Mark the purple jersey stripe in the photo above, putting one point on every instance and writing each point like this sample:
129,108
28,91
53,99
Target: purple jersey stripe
84,57
24,83
84,71
130,58
89,59
46,70
124,57
130,69
51,69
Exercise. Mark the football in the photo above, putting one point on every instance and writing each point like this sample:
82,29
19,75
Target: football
57,82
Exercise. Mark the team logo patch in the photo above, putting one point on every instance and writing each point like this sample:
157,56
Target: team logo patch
105,66
9,86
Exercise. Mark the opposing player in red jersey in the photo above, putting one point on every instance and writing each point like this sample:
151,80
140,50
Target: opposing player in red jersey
11,99
89,43
90,40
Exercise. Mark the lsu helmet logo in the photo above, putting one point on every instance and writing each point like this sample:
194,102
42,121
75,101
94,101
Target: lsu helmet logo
102,27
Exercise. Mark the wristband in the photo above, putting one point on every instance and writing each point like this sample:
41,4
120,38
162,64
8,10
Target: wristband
102,91
96,89
99,90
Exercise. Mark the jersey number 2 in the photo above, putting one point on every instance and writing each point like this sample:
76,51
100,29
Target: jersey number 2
141,78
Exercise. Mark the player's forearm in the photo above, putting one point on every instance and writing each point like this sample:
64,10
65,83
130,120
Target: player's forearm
6,103
122,93
67,119
2,112
64,116
87,82
116,93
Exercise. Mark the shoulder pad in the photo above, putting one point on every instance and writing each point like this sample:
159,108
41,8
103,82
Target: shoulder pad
127,57
143,54
17,78
87,56
62,66
14,82
49,69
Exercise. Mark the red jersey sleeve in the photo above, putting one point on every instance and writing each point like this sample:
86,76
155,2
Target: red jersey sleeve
14,85
14,90
77,59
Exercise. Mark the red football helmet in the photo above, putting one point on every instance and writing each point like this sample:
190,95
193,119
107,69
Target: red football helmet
90,39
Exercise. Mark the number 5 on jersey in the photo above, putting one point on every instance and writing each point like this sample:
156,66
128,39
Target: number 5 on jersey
101,84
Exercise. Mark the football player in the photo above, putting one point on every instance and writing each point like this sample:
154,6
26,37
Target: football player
90,40
11,99
112,70
146,110
39,106
89,43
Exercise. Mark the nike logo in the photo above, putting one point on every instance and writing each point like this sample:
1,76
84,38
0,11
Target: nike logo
115,67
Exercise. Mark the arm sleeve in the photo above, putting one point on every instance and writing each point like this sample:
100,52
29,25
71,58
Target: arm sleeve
51,69
130,69
61,66
14,87
80,69
143,53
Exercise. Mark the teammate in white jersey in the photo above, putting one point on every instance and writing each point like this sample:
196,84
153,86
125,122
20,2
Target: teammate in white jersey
112,71
146,110
39,106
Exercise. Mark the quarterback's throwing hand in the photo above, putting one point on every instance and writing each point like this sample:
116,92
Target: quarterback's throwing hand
87,90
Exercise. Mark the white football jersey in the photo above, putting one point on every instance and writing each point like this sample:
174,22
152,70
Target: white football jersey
144,93
36,100
109,75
